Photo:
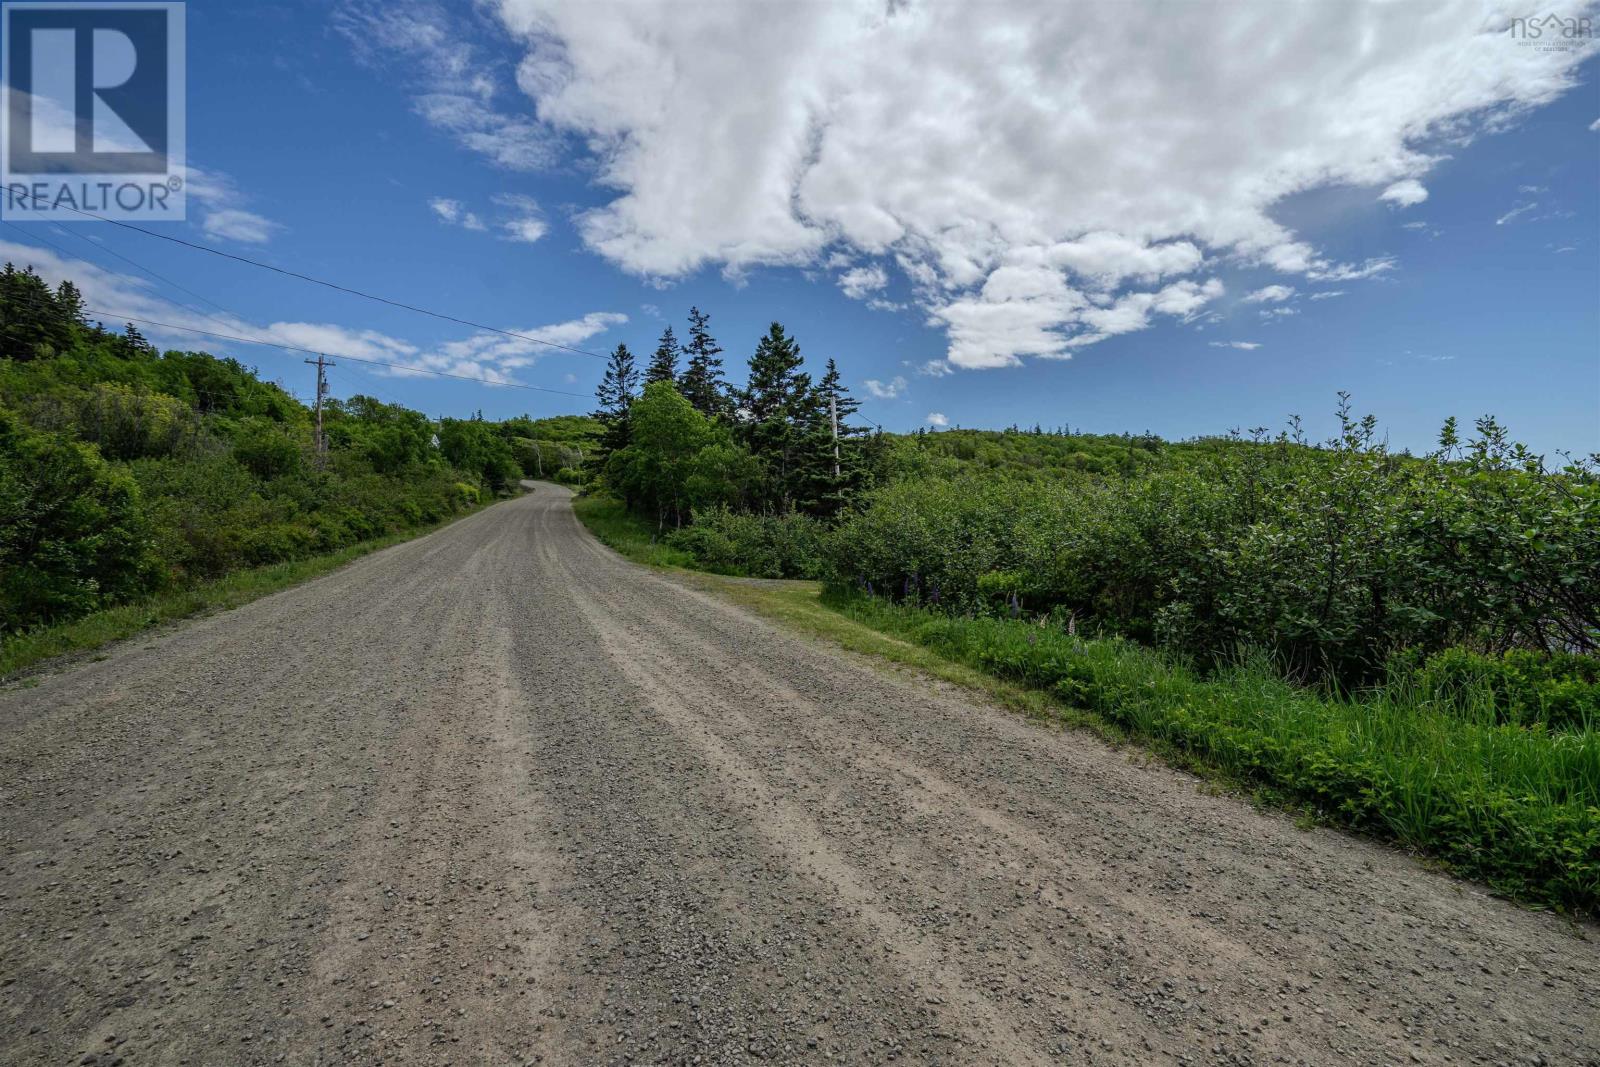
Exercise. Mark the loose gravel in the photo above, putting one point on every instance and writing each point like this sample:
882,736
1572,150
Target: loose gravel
497,796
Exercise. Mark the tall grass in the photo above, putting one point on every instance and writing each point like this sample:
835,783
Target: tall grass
1516,806
619,529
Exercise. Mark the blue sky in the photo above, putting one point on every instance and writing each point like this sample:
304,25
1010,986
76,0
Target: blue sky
985,239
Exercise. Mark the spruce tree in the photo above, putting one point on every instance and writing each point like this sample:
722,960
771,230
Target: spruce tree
702,383
70,300
832,463
779,404
664,364
615,393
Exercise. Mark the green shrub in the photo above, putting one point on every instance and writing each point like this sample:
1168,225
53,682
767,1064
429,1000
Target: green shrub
1331,558
265,448
761,546
72,537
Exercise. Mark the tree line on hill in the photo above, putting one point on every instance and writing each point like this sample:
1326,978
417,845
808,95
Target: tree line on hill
1333,556
680,439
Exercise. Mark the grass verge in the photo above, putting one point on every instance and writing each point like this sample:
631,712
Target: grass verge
1514,807
629,535
33,647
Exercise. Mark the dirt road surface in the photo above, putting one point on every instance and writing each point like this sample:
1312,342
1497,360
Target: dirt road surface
496,796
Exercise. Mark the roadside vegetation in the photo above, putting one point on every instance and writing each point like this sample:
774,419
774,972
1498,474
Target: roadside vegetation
1401,644
137,485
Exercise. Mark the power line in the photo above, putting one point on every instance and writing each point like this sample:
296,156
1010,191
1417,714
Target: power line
323,282
269,344
310,352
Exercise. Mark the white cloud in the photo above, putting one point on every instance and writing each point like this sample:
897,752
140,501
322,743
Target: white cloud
1520,209
1351,272
937,418
115,298
525,222
1278,313
1327,294
936,368
1594,126
1034,171
456,88
1406,193
238,225
520,218
221,216
1272,294
859,283
455,213
889,390
1248,346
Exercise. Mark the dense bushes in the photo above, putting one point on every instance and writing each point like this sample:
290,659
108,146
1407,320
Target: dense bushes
125,471
1332,558
72,537
759,546
1518,808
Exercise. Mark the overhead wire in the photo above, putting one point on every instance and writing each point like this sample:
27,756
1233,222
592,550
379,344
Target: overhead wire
350,290
274,344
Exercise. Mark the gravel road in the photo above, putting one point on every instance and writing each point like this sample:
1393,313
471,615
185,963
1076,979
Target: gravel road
496,796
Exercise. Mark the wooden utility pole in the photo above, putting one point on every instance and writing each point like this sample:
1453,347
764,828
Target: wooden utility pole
833,415
322,364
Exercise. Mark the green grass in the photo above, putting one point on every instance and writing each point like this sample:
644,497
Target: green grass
627,534
33,647
1514,807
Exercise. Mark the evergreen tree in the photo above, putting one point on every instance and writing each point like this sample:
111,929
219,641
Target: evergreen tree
702,383
779,405
664,364
833,464
615,393
70,300
32,325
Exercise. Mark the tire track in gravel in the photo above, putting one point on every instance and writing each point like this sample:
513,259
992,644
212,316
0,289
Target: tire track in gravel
497,796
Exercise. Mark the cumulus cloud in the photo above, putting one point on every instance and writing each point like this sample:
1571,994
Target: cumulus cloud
115,298
1039,173
937,418
890,390
1405,193
859,283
